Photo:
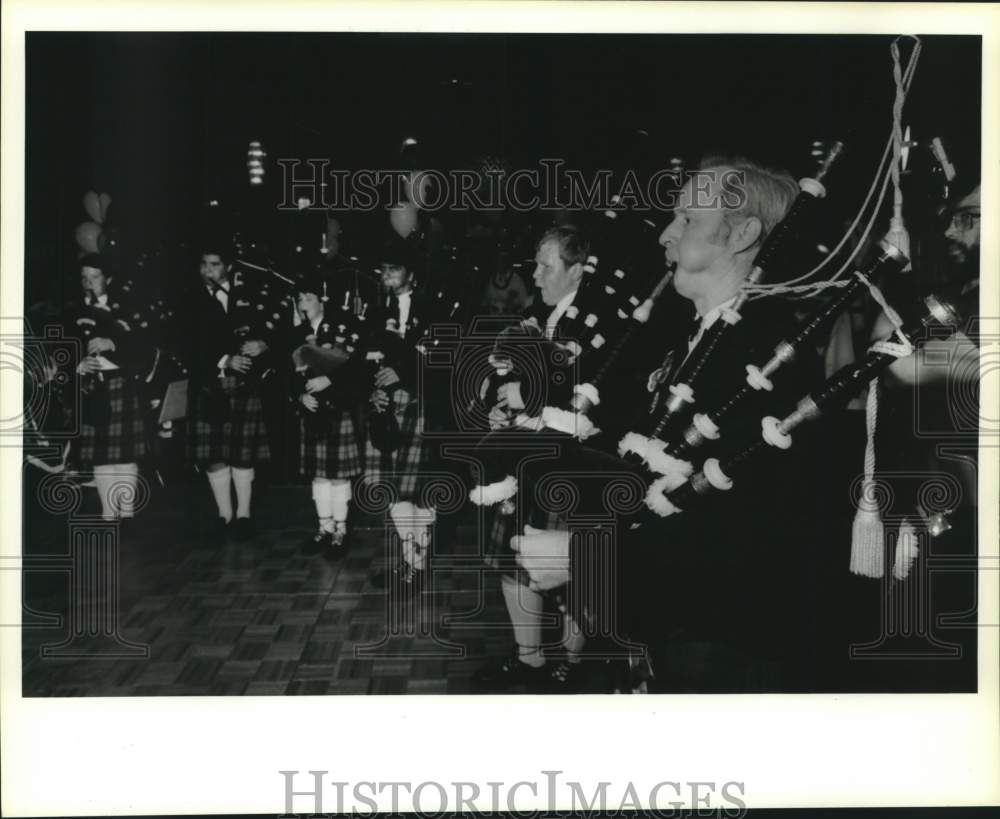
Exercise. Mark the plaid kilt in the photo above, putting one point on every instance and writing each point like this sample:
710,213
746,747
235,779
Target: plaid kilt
404,466
328,445
120,438
240,439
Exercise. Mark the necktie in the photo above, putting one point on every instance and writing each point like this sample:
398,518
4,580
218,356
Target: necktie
694,327
222,296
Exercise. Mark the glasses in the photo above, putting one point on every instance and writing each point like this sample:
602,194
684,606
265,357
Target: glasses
964,219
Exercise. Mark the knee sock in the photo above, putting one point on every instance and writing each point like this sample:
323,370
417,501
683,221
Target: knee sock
402,514
243,481
220,481
339,493
573,639
324,508
128,475
423,520
525,609
104,479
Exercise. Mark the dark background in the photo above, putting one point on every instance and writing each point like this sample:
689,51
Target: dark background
161,121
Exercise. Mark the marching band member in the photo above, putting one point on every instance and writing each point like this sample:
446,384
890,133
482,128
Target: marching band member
112,436
227,435
328,387
559,268
396,330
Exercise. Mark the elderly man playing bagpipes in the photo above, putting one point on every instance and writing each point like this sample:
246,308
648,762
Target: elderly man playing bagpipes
712,593
329,382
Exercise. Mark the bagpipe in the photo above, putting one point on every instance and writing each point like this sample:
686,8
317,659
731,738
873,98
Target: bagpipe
941,313
327,351
662,447
258,306
600,324
133,327
402,349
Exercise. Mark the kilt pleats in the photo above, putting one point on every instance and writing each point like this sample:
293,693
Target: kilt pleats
120,437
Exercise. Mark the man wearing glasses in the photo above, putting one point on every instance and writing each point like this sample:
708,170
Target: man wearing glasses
962,235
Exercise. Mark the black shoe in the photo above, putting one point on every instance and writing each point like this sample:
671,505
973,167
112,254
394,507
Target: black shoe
242,528
511,673
402,578
565,678
336,546
317,543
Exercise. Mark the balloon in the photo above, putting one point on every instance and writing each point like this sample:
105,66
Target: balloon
403,218
88,236
92,204
105,201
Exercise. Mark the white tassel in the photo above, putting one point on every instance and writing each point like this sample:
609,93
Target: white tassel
906,551
572,423
867,532
674,468
494,493
656,498
653,456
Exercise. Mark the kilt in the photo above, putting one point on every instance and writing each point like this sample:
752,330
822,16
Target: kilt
122,439
402,468
240,439
328,446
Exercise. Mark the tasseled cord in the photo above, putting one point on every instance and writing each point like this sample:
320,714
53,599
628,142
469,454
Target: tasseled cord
898,234
867,555
868,533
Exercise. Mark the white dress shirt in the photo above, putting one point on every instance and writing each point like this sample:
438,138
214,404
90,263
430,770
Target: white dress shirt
708,320
558,312
405,300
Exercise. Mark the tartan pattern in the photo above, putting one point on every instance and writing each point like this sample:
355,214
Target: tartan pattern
122,440
240,440
403,466
328,446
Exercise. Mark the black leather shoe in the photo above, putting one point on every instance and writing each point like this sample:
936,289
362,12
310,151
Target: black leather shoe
242,528
316,543
565,678
511,673
336,546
